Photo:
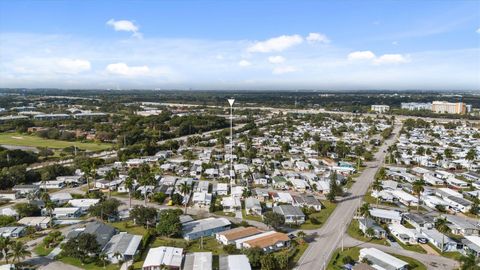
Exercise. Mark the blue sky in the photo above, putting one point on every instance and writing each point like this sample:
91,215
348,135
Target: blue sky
240,44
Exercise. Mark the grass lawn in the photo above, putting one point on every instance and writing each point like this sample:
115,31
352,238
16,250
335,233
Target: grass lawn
88,266
298,252
12,138
414,248
355,232
221,213
322,216
336,263
41,250
127,226
414,264
251,217
452,255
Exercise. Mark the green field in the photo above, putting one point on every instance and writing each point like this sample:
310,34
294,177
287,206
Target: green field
35,141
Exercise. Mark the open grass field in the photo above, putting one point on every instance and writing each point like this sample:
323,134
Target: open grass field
11,138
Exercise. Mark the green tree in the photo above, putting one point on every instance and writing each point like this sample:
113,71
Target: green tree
27,209
268,262
254,255
471,154
273,219
470,262
418,189
281,260
143,215
106,209
5,244
110,176
377,186
185,189
82,247
169,223
365,210
19,251
146,178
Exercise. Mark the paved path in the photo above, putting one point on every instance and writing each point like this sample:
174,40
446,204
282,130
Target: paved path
329,235
429,260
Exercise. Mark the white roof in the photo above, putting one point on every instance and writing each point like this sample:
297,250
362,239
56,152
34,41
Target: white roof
83,202
383,257
388,214
474,239
238,262
169,256
34,221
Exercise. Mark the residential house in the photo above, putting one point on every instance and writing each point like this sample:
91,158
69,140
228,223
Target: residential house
268,241
292,214
385,216
234,262
230,236
122,247
64,212
204,227
403,234
231,204
365,223
382,260
13,231
160,257
253,206
197,261
202,199
463,225
440,240
23,190
36,222
61,198
307,201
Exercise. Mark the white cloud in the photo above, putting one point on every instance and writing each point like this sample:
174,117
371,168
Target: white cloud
478,31
125,25
276,59
125,70
395,43
317,37
283,70
391,59
73,66
361,55
244,63
276,44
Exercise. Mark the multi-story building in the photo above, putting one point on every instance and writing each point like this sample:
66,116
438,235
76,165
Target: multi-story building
449,107
414,106
380,108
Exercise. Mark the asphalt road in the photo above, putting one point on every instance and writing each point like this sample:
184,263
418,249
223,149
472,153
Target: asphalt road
329,235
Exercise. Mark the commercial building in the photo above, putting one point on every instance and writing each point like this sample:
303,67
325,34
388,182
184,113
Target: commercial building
449,107
380,108
416,106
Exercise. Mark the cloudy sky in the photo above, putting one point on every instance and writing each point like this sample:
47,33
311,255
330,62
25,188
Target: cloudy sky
240,45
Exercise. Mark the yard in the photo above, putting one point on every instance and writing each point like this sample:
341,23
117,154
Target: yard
414,248
41,250
88,266
251,217
356,233
321,216
10,138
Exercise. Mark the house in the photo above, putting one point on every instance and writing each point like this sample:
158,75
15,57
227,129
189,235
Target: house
231,204
9,212
385,216
382,260
25,189
234,262
440,240
122,247
37,222
230,236
198,261
253,206
160,257
432,180
83,204
403,234
204,227
12,231
307,201
268,241
282,197
65,212
365,223
9,195
202,186
292,214
221,189
471,245
61,197
202,199
53,184
420,221
463,225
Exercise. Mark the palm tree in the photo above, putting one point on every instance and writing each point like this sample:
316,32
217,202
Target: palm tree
365,210
377,186
111,175
185,190
146,178
301,235
19,251
441,225
129,185
103,257
418,189
5,244
49,206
